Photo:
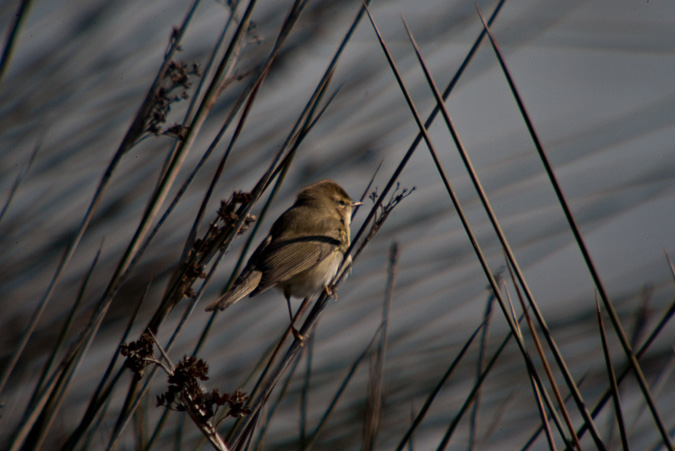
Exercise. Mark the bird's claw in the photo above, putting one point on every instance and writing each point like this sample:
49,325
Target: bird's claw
298,336
330,290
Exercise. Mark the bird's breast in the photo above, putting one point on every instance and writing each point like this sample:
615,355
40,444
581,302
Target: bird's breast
310,282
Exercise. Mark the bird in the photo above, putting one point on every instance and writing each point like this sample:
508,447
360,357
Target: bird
303,250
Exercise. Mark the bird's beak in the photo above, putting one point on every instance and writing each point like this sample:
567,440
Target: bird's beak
356,204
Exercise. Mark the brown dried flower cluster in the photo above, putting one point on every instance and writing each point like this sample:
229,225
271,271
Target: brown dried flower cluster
177,83
185,393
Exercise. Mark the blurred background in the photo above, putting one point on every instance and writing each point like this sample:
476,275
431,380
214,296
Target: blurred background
597,79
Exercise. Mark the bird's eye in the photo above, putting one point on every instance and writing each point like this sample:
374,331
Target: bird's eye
342,202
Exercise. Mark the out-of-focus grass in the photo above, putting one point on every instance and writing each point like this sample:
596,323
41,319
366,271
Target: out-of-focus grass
262,115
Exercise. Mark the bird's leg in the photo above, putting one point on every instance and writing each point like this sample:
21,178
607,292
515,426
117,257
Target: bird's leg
296,334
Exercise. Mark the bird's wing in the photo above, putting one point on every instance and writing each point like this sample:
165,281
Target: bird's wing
291,257
294,250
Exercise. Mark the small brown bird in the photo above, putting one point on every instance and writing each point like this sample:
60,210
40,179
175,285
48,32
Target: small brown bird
303,250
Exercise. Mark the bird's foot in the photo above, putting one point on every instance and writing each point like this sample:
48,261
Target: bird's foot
298,336
330,290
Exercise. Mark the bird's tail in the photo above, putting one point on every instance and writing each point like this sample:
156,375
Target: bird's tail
240,290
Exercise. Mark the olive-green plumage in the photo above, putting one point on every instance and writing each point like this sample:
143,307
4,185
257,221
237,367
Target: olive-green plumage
303,250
